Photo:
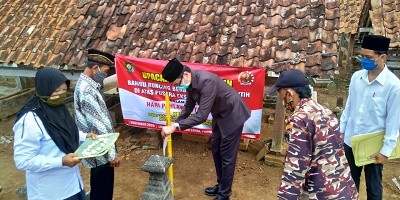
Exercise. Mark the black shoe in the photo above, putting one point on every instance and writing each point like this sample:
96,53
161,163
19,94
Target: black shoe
211,191
221,198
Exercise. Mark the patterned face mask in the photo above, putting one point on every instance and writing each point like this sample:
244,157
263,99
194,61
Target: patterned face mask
287,104
54,102
99,77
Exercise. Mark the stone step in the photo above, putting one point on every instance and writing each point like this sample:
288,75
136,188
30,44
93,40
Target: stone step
244,144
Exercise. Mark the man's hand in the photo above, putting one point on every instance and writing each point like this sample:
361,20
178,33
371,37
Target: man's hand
167,130
91,135
379,158
70,160
116,162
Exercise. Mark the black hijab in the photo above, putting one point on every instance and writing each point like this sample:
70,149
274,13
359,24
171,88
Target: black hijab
57,120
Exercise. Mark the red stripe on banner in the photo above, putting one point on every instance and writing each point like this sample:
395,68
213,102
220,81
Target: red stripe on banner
193,131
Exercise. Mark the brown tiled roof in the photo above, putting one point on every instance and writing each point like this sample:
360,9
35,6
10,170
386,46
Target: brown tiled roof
384,15
278,34
386,20
350,15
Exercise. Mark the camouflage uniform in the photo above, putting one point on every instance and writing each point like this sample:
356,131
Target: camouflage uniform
315,163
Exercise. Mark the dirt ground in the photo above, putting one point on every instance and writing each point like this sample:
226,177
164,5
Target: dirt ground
193,168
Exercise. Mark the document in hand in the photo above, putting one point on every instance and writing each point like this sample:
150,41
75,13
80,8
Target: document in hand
366,145
97,147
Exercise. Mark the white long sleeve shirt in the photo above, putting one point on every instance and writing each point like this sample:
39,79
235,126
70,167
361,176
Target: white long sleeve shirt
37,154
372,107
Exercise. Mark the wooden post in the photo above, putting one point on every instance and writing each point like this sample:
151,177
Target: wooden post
340,56
350,51
279,126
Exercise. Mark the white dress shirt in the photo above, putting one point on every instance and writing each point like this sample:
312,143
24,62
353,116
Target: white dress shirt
37,154
371,107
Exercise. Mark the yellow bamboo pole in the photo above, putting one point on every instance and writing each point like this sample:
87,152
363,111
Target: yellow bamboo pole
169,141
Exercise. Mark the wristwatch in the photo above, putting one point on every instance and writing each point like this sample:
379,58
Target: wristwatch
176,125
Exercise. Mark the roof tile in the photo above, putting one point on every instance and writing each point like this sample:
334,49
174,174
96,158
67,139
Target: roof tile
55,58
61,47
350,12
4,54
251,32
5,9
42,60
8,42
299,46
30,45
303,11
13,55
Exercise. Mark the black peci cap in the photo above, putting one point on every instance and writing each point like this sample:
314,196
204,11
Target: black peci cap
376,43
172,70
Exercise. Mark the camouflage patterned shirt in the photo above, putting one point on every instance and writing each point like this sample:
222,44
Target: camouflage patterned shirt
315,163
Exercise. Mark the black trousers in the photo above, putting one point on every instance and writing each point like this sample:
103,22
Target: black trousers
78,196
102,182
373,175
224,152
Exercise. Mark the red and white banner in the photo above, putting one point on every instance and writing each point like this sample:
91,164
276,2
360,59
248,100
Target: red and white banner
142,93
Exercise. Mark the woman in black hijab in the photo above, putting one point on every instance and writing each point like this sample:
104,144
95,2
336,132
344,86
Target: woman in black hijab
45,140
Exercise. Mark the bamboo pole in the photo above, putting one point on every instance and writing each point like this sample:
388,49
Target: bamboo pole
169,141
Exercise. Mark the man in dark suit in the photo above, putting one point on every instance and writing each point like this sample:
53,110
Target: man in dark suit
229,113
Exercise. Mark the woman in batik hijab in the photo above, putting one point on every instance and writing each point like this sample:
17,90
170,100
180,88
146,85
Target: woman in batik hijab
45,140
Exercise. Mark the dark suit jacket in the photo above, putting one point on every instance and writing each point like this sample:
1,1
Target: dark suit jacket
213,95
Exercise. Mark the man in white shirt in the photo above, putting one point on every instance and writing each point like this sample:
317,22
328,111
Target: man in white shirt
372,106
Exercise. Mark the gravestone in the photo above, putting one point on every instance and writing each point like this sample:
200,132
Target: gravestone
159,186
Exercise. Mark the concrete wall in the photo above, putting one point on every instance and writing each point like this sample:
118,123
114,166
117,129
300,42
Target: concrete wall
6,81
14,92
11,104
10,85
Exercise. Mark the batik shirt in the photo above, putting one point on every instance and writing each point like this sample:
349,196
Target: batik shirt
315,163
92,116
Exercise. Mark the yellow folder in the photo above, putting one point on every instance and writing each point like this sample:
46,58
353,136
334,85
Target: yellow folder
366,145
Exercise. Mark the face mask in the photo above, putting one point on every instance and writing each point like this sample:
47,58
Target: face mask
99,77
287,104
183,86
54,102
368,64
